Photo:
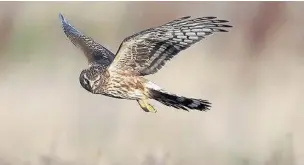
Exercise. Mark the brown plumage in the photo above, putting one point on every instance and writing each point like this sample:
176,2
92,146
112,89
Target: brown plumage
142,54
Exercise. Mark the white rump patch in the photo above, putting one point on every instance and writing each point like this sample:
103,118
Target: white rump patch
151,85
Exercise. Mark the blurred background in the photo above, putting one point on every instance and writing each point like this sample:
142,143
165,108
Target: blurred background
253,75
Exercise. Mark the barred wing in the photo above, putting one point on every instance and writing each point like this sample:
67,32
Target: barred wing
94,52
146,52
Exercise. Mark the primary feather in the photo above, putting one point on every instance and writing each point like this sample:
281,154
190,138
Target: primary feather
147,51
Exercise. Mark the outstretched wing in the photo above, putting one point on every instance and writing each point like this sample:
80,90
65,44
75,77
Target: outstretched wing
95,53
146,52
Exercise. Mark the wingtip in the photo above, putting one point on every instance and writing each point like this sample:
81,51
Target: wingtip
62,19
67,27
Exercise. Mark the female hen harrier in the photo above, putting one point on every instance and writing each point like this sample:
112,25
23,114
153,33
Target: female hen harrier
121,75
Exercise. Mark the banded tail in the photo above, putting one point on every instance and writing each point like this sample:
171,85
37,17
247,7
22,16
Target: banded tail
179,102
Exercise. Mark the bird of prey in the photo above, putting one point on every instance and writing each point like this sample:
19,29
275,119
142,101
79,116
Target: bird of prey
122,75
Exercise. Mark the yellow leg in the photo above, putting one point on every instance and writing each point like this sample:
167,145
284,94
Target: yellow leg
146,106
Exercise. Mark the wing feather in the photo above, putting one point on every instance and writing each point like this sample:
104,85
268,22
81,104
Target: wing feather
147,51
94,51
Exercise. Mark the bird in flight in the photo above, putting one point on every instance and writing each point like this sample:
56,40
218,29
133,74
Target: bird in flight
122,75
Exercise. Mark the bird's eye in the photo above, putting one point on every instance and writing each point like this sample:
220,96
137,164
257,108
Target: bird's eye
85,76
86,81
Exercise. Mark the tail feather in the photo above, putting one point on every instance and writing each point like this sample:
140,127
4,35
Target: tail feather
179,102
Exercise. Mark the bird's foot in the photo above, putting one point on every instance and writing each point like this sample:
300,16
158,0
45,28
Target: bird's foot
146,106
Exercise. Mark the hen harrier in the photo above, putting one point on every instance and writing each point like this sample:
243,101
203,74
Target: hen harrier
122,75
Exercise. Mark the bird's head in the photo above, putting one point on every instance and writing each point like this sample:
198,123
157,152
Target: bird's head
90,79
